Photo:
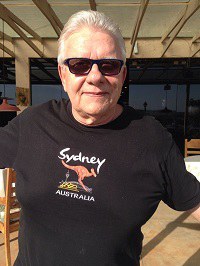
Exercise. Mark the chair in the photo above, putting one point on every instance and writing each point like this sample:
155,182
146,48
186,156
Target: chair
10,222
192,147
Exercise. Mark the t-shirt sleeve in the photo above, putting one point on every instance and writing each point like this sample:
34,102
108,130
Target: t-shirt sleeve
182,188
9,143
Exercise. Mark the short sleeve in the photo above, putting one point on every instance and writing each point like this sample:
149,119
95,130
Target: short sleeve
9,143
182,188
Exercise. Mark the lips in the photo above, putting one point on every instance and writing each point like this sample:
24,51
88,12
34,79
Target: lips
91,93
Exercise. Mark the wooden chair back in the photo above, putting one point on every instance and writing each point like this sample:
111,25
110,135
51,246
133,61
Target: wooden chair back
192,147
11,212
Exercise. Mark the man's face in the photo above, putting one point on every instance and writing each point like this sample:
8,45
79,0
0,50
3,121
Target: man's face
92,95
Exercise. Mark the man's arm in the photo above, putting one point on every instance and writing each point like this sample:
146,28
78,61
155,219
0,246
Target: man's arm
196,212
9,143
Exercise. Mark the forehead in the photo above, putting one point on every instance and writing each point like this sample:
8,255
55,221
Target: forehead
91,43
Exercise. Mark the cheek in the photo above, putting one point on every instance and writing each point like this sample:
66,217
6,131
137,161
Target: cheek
66,81
116,86
73,85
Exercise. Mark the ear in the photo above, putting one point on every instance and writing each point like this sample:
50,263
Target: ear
124,73
61,74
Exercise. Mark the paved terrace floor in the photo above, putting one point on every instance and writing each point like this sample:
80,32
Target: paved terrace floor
171,239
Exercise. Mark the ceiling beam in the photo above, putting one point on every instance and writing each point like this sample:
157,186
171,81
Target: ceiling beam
10,73
192,7
35,77
7,50
6,37
41,67
5,15
108,3
49,13
6,81
140,15
18,21
174,24
52,61
93,5
134,3
195,38
10,64
144,69
195,51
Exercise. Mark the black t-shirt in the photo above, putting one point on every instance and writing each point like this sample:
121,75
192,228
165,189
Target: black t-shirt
85,191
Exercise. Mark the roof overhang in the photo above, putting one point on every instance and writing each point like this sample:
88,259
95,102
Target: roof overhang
170,27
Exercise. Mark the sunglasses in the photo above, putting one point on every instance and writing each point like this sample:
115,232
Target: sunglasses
82,66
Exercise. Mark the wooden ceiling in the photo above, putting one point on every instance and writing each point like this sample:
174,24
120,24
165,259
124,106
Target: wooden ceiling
165,20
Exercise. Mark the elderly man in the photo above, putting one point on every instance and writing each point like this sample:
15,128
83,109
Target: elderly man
91,172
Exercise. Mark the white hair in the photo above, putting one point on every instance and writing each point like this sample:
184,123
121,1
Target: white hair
89,19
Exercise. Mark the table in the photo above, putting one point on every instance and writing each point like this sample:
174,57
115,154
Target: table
192,164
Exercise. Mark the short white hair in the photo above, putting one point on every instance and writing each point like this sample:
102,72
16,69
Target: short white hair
89,19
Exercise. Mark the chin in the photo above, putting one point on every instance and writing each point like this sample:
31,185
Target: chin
97,110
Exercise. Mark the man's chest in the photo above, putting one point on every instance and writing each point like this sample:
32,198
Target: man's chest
89,175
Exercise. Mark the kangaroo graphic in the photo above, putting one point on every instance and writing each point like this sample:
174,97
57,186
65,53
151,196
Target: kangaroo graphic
82,172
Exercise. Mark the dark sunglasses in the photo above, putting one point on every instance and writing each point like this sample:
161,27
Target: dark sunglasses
82,66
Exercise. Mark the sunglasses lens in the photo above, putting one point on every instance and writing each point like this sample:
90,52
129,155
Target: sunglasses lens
79,66
110,67
82,66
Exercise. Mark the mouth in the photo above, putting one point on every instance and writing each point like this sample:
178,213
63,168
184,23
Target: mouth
96,94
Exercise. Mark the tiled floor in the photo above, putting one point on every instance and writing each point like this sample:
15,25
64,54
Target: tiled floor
13,246
171,239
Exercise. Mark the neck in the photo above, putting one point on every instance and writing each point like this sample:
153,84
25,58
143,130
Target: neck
97,120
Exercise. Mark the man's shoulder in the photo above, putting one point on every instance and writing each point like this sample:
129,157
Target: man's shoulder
148,128
143,119
44,109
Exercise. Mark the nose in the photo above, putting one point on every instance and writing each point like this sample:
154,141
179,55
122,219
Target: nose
94,76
